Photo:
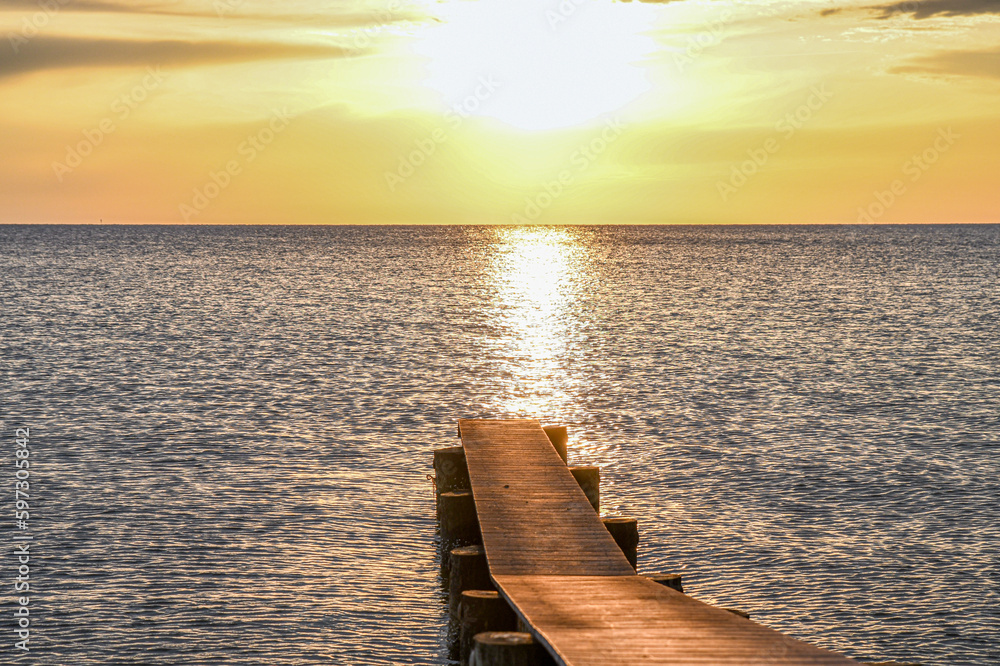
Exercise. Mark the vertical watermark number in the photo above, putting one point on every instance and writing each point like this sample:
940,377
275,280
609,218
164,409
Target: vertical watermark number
22,538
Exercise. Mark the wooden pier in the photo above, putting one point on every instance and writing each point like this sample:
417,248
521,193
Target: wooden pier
555,563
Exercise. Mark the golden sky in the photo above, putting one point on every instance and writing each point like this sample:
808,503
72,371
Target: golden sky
499,111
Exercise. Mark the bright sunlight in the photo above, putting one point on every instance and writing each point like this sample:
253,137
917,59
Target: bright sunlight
556,69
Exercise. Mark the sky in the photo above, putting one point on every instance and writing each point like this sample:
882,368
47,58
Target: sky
499,111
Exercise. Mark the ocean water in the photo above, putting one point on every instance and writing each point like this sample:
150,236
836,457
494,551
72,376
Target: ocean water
231,427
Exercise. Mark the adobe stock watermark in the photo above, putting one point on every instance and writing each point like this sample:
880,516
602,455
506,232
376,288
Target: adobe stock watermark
358,39
247,151
32,25
711,35
913,168
22,537
562,13
426,146
715,30
740,174
121,108
581,159
224,8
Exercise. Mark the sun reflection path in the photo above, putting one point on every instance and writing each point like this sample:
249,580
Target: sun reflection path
540,274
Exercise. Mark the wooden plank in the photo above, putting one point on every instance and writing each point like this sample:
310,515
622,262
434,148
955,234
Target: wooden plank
534,517
629,620
557,565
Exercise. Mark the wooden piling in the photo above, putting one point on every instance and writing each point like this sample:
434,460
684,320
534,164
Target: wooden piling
458,524
450,470
552,561
669,580
626,534
467,571
507,648
589,479
479,611
559,438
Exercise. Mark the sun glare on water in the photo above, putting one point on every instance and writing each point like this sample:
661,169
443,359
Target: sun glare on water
538,273
550,65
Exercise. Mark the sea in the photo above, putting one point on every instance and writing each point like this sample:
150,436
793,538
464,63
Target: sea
230,428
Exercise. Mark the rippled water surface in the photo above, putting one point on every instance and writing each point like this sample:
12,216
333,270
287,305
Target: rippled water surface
231,427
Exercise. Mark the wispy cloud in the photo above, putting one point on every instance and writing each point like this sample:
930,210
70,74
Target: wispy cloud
340,15
982,64
923,9
46,53
103,6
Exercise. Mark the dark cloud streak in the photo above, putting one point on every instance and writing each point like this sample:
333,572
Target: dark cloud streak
47,53
215,10
981,64
924,9
95,6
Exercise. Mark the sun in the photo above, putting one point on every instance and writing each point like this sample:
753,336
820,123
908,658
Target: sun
551,64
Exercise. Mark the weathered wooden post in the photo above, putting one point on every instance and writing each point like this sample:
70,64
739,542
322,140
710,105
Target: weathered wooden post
626,534
589,479
479,611
457,513
467,571
559,438
507,648
450,469
458,522
669,580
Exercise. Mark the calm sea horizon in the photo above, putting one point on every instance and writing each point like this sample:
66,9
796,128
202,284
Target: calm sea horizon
231,427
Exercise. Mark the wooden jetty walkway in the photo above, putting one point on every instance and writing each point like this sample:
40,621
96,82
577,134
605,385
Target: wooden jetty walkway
558,567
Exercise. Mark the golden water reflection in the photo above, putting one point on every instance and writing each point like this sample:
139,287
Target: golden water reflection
539,275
